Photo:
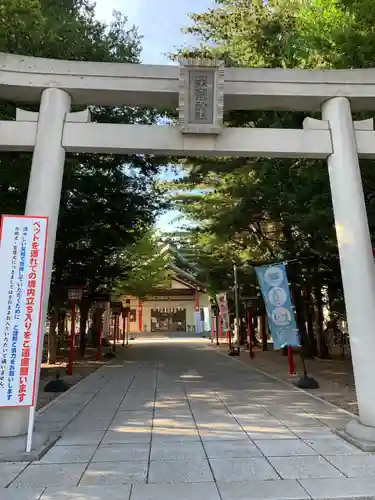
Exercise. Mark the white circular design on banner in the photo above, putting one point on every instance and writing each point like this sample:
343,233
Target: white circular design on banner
281,316
274,276
281,337
277,296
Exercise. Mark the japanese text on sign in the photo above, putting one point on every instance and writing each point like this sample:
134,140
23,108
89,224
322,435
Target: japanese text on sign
22,254
202,97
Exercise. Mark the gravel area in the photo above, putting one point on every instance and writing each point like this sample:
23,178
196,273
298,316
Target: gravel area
335,376
81,369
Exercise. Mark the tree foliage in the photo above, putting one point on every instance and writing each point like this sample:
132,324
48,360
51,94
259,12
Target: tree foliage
264,210
148,262
108,201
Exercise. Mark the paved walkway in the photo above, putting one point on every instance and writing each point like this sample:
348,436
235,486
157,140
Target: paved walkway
175,421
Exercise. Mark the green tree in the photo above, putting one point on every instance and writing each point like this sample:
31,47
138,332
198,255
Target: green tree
107,201
147,260
258,211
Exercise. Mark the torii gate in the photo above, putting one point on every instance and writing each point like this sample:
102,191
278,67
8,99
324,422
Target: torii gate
201,89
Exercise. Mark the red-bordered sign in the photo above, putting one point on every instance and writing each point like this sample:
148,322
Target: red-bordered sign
22,256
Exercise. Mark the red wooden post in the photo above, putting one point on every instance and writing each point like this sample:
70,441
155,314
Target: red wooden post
292,369
140,316
69,369
220,327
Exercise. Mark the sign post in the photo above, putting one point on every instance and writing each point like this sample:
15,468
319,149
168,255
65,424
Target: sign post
22,255
75,296
274,286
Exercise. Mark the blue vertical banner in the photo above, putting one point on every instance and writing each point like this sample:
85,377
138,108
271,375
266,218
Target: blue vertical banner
274,286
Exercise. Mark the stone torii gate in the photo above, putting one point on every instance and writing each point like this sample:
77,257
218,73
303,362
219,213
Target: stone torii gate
201,90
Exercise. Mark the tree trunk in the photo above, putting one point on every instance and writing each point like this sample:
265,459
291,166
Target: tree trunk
52,338
84,307
309,313
61,330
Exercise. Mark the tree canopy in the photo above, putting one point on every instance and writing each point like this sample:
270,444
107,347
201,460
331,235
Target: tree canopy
108,202
262,210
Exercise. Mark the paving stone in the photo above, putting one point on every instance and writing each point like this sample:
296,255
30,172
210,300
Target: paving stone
174,421
121,436
231,449
284,447
177,450
178,468
159,436
90,425
242,469
9,471
115,473
180,471
223,435
312,432
262,490
36,476
68,454
269,432
58,415
333,446
304,467
163,413
191,491
78,438
343,489
132,418
176,434
122,452
48,427
88,493
21,494
355,465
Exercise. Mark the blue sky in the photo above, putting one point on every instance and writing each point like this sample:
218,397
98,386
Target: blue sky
160,23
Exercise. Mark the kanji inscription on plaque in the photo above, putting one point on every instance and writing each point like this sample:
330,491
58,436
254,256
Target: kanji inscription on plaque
201,96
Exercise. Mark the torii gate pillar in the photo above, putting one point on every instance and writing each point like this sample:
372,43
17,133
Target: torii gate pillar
356,260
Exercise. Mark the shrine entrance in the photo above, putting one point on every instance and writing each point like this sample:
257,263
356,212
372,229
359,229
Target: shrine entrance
168,320
201,90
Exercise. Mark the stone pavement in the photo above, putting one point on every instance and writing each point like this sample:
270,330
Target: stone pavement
181,421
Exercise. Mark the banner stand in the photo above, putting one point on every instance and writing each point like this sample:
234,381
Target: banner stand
23,257
30,429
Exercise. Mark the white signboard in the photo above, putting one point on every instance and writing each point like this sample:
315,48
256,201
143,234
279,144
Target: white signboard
198,323
22,257
223,308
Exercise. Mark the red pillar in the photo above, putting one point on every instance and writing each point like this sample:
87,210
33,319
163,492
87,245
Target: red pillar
140,316
69,369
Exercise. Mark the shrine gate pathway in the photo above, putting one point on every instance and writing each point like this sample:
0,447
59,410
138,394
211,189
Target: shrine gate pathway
179,420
